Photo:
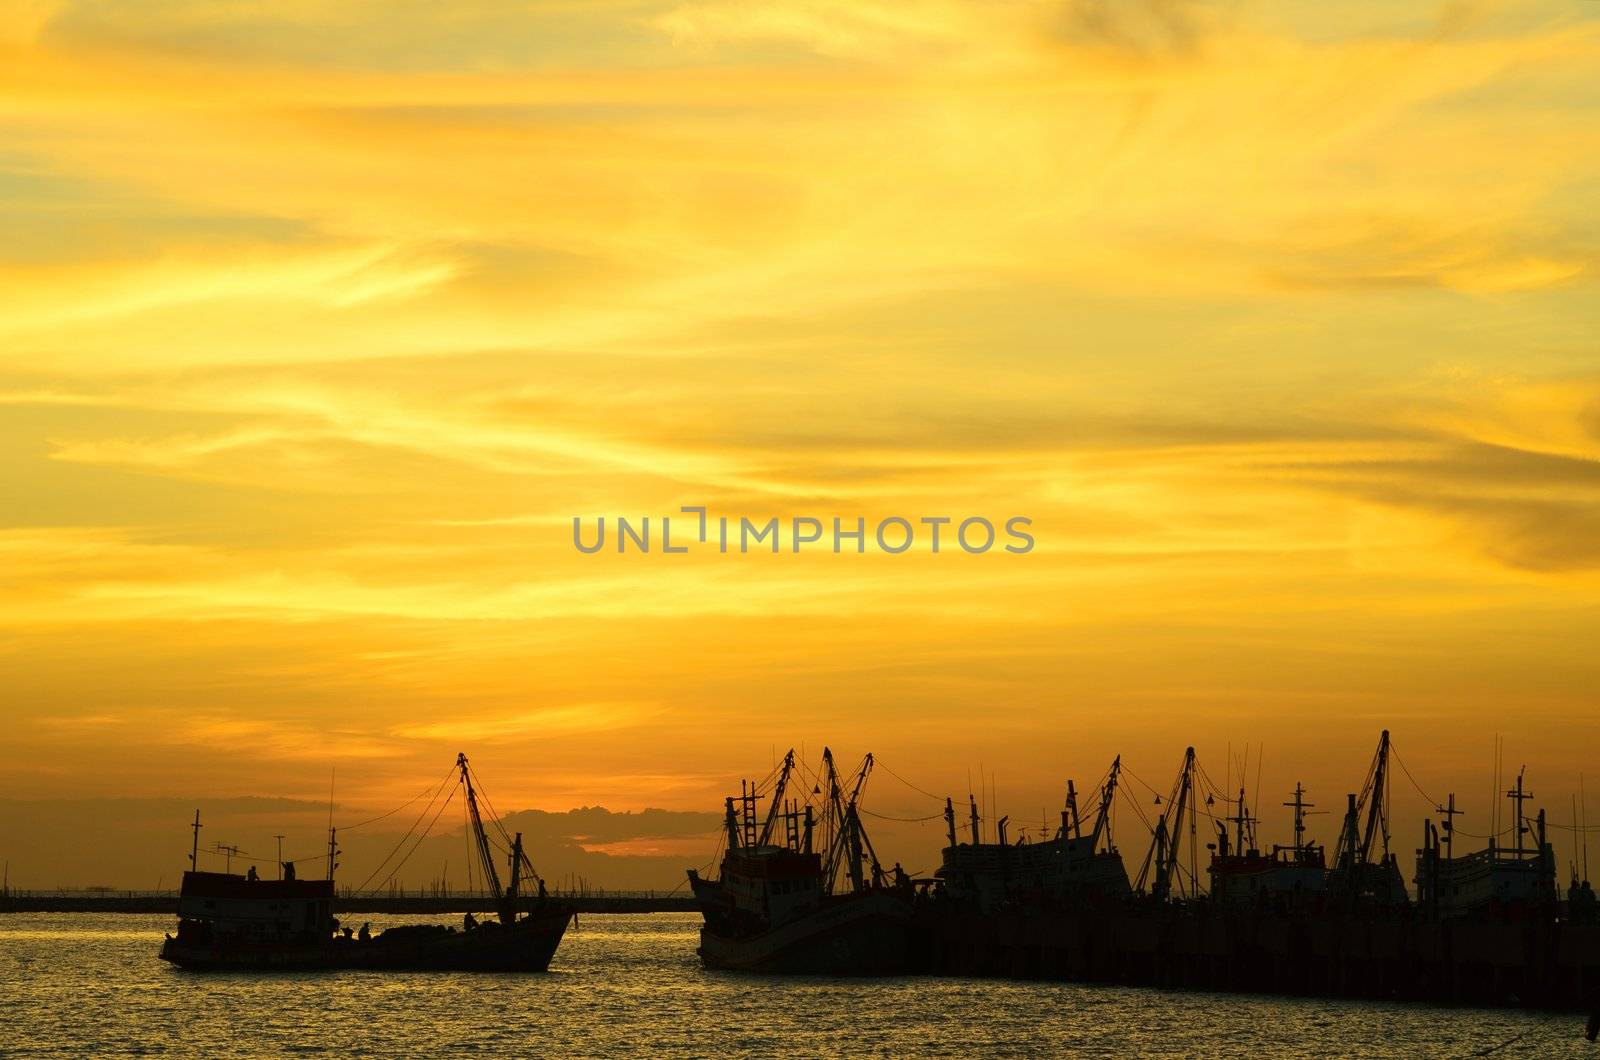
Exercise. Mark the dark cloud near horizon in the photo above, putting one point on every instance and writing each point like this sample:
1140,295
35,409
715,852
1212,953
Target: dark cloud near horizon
142,842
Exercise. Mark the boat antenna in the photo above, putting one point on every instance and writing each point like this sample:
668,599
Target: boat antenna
1518,796
1575,835
1261,755
1450,813
1494,794
333,853
1583,809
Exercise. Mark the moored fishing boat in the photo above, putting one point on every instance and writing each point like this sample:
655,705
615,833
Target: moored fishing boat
781,905
1487,928
231,922
1070,867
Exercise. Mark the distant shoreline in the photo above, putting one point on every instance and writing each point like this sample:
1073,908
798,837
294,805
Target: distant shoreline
113,903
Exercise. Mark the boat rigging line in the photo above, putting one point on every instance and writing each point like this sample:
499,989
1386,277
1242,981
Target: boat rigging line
902,820
373,820
474,784
913,787
437,791
407,856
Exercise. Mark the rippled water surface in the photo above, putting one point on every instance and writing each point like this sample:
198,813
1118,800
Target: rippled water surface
86,984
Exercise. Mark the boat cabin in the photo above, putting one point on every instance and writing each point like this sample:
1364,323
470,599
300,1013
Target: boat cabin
221,907
772,882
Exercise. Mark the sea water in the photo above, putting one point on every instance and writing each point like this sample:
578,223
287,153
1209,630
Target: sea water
90,985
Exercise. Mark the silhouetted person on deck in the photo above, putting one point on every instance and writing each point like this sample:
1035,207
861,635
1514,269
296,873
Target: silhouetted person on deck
366,933
288,870
252,876
469,922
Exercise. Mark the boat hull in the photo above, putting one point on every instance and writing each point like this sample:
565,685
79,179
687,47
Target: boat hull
527,946
864,934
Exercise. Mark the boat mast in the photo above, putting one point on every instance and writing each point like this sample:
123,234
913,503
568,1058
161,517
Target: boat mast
853,833
1244,838
1377,809
858,840
1518,797
747,811
1349,838
194,850
791,828
845,841
731,823
1300,807
1168,838
1102,820
333,854
1355,842
833,821
1186,783
508,907
485,852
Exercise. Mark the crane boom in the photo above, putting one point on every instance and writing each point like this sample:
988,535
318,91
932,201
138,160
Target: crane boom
1102,820
777,799
1377,816
1163,852
844,846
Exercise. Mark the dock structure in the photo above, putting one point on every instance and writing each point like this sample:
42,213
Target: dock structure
1207,947
1487,928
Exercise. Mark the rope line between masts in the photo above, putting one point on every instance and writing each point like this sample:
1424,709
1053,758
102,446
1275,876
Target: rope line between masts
373,820
907,783
400,845
414,846
494,819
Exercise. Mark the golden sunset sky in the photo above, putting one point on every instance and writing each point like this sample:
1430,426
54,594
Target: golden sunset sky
320,322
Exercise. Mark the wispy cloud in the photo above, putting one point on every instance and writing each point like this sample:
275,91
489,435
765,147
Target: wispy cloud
318,326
